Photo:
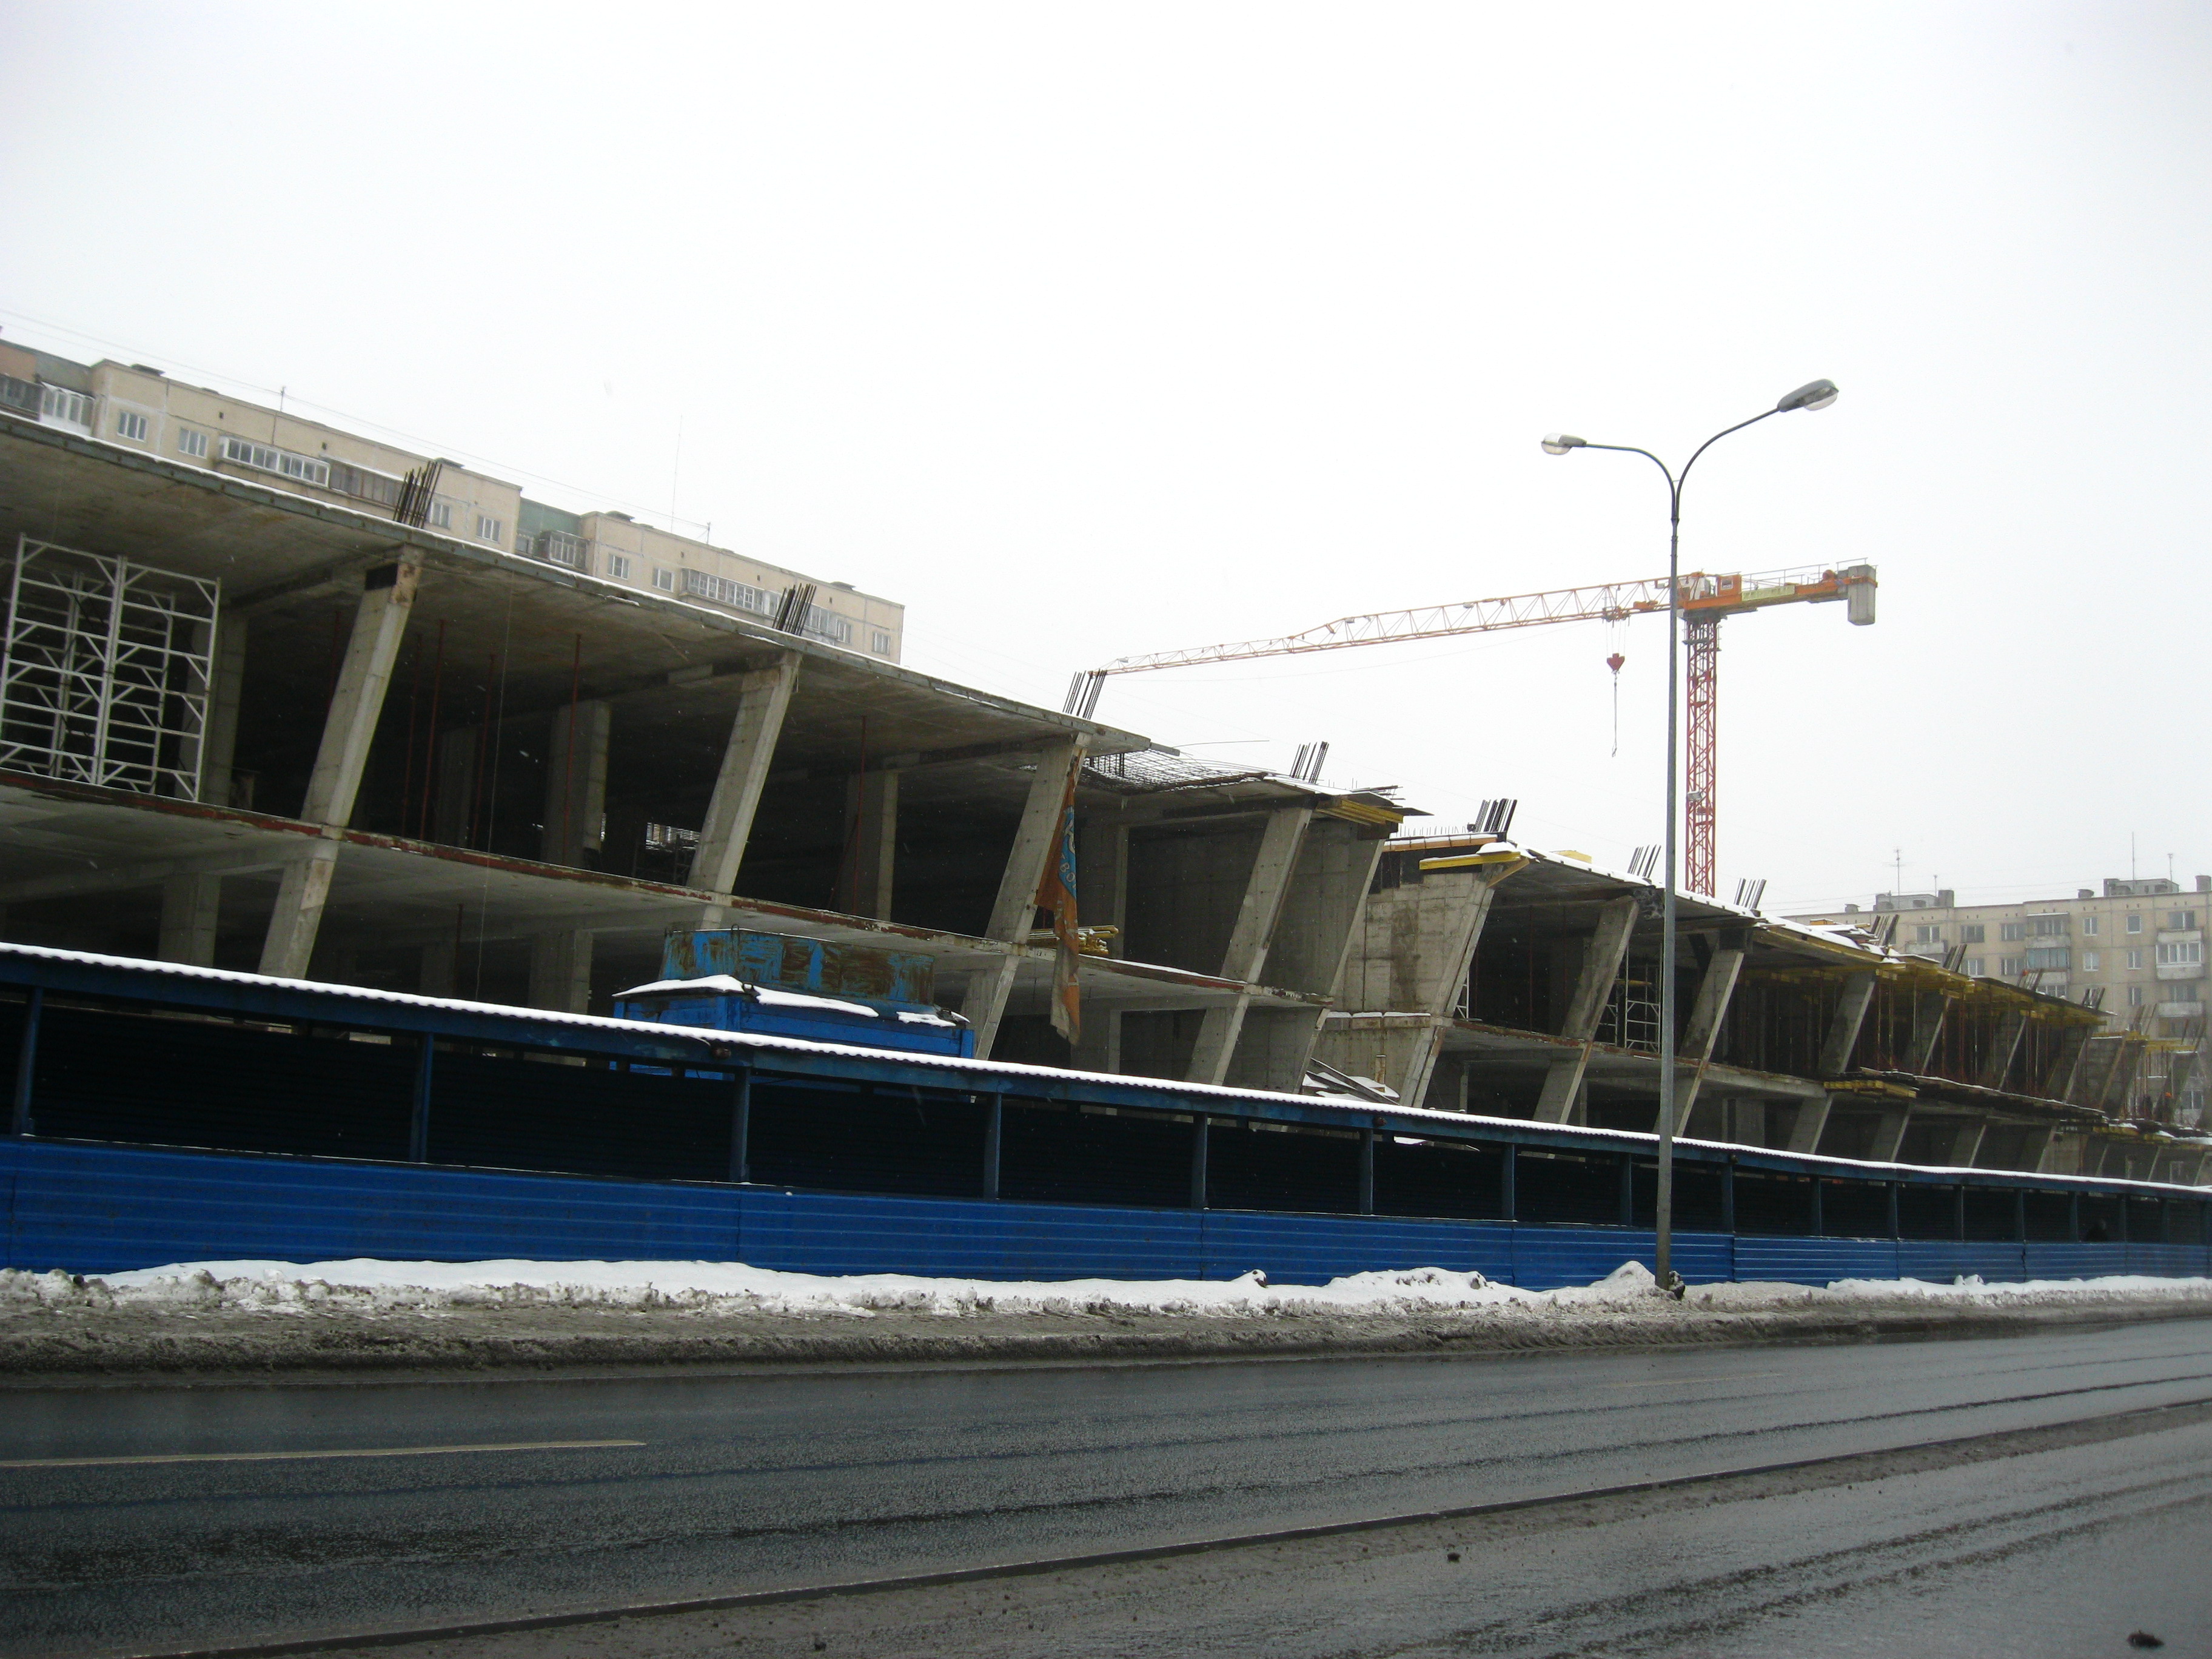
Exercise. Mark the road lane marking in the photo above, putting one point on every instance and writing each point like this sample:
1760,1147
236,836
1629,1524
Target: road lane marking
292,1457
1670,1381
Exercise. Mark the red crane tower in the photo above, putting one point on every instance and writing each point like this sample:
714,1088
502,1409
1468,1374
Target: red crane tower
1705,599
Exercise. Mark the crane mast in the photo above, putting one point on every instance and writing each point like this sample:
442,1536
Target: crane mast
1703,600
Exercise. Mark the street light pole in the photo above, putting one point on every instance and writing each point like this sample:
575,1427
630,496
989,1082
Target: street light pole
1817,394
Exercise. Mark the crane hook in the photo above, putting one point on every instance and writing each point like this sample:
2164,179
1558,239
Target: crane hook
1614,663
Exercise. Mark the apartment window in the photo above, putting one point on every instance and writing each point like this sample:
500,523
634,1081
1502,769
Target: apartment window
826,624
362,485
2053,958
2134,924
2090,962
2008,967
1973,966
2046,926
2184,950
264,458
1972,932
2135,958
879,642
664,580
2009,931
22,396
128,424
1925,934
558,547
2181,921
441,515
2134,996
738,596
66,408
192,443
490,529
620,565
2091,925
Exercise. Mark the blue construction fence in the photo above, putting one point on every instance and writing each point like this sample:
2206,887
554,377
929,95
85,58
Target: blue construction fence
94,1209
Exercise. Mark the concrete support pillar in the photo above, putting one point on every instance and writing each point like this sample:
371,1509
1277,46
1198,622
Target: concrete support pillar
1967,1145
1603,954
1806,1128
576,782
2117,1097
1013,912
441,962
1708,1008
227,681
1996,1064
764,697
1929,1008
1247,954
1745,1122
2057,1083
1843,1033
864,878
340,759
1100,1049
2035,1152
454,807
1889,1136
1102,874
561,971
190,905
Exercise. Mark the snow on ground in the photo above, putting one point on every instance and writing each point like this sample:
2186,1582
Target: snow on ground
710,1288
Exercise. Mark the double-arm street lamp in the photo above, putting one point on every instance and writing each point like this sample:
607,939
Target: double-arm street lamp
1817,395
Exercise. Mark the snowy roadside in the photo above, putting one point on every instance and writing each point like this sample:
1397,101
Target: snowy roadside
197,1318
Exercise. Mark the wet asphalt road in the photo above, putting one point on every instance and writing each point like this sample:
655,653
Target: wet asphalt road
765,1481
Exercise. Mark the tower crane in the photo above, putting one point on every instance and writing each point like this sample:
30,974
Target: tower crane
1705,599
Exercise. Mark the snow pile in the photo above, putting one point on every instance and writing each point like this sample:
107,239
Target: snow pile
711,1288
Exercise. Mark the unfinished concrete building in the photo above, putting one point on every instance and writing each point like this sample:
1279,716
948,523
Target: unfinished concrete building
243,726
1492,979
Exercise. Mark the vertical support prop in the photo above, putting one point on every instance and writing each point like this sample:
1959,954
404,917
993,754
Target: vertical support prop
995,1121
1896,1230
1627,1191
26,1061
1509,1200
2073,1218
1367,1171
1819,1217
1199,1127
1728,1196
741,1127
418,1120
2020,1213
1958,1212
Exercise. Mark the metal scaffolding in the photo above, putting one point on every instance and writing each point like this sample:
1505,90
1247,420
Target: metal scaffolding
105,671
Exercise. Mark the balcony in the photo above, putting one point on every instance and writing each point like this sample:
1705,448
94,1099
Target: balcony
559,547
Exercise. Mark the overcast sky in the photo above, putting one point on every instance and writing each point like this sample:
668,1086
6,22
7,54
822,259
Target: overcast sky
1090,330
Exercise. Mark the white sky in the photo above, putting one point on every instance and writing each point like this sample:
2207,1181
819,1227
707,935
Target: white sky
1092,330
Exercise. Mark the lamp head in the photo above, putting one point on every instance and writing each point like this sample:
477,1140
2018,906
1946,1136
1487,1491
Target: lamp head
1815,394
1559,443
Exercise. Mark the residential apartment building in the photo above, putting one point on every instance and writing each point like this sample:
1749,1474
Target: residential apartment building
2135,950
137,407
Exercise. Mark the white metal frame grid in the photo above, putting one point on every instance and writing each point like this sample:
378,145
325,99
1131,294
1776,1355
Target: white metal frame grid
105,667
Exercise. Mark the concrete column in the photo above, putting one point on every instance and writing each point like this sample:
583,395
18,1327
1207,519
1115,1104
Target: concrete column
2003,1045
1745,1122
764,697
576,782
1037,839
219,748
561,971
440,962
1603,954
1929,1008
1247,954
1101,872
1806,1128
2073,1043
1100,1049
1843,1025
2036,1150
1890,1136
190,904
1967,1143
455,801
864,878
1707,1011
2118,1095
343,757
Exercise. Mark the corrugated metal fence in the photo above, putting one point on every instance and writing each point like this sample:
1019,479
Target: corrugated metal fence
107,1209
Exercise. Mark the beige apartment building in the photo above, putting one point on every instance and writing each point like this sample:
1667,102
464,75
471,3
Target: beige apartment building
138,407
2135,950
